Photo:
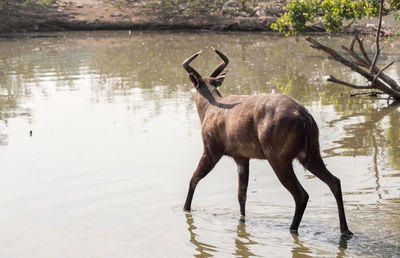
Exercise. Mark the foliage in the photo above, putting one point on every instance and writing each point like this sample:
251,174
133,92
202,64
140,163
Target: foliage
333,14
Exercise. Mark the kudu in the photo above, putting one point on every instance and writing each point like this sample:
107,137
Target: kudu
274,127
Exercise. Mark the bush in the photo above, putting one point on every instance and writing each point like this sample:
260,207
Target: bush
331,13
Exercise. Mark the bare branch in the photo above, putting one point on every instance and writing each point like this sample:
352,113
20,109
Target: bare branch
371,94
379,83
371,68
380,71
389,81
352,43
339,58
367,64
362,49
358,59
363,63
378,50
333,79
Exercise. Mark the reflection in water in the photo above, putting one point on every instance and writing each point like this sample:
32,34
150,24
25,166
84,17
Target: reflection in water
341,253
362,119
369,126
204,250
376,167
342,247
243,241
132,87
369,138
300,250
119,63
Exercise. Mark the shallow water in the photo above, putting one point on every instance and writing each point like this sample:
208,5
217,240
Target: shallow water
116,137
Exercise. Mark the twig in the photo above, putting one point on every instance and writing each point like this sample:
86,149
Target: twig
380,71
378,50
371,93
361,46
354,54
333,79
358,60
388,99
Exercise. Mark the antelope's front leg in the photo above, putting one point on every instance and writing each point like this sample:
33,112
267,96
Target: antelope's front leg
243,173
206,164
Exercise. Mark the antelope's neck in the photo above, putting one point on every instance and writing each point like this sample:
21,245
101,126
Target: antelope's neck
204,100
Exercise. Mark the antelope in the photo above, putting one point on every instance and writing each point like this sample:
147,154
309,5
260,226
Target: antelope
272,127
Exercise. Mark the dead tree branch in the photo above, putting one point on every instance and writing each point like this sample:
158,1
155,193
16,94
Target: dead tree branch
378,50
380,71
358,87
362,64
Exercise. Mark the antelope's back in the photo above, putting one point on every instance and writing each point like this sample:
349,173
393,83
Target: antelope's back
260,126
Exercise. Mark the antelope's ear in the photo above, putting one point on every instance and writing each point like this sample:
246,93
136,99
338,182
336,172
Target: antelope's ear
219,79
194,80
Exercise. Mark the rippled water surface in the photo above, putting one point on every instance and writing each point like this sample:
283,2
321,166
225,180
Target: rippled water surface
116,138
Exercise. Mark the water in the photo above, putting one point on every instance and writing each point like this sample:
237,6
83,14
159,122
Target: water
116,138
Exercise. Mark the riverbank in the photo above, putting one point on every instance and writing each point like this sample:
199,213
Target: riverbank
102,15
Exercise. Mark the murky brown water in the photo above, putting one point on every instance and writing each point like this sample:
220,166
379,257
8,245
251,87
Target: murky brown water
116,137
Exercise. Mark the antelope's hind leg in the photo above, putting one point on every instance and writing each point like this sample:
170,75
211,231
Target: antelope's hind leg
287,177
316,166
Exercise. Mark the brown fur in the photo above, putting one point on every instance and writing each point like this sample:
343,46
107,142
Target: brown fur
274,127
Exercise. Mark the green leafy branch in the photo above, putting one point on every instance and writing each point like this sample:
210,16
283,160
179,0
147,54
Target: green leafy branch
333,14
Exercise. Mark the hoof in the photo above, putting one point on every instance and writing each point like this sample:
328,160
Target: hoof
242,219
294,231
347,234
186,209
